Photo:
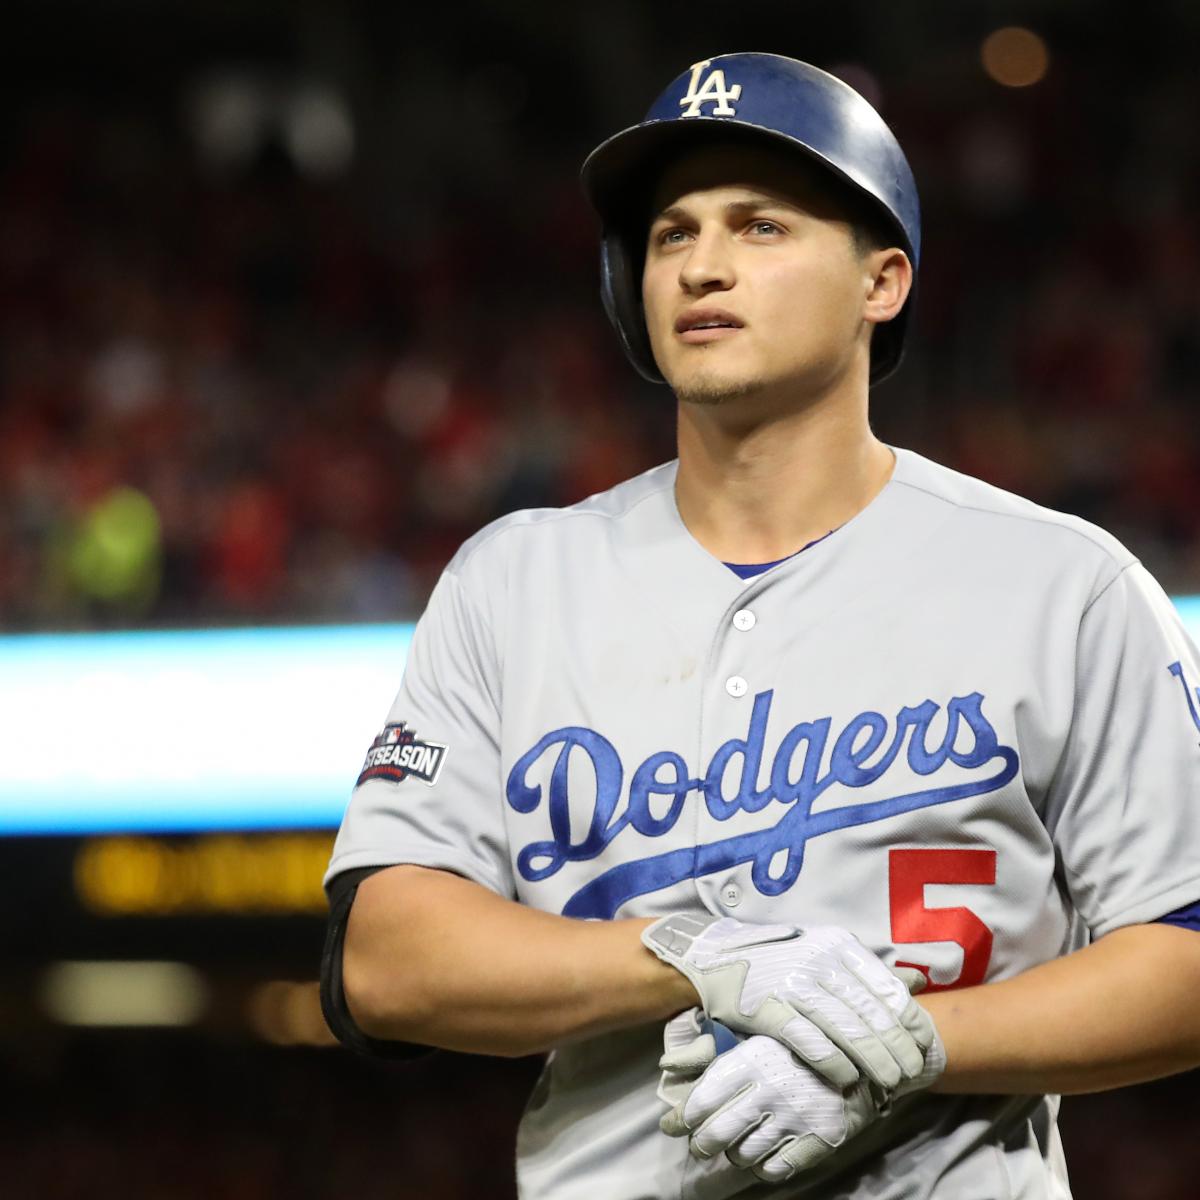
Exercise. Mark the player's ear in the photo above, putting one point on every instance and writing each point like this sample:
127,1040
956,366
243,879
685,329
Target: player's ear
888,276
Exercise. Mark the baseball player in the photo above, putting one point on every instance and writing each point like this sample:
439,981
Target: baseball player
823,813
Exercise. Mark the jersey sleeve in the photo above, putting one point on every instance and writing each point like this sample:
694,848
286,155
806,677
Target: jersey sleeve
1123,808
429,790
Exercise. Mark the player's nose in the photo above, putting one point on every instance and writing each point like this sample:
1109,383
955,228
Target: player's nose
708,264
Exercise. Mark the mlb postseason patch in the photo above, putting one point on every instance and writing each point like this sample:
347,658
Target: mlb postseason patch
397,753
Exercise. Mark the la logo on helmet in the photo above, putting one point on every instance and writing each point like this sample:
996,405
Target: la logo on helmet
713,90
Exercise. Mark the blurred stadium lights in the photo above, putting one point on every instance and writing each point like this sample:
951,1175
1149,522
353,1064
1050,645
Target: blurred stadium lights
123,993
288,1014
221,875
187,731
1188,608
230,117
195,731
1015,57
318,131
234,114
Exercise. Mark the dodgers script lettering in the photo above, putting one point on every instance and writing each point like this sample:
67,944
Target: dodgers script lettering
805,765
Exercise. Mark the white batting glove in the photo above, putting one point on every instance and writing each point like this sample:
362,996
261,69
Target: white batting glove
687,1051
819,992
765,1109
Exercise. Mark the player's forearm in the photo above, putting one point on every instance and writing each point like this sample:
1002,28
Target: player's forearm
1121,1011
435,959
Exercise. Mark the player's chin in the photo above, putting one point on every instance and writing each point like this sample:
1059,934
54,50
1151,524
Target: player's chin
712,383
705,375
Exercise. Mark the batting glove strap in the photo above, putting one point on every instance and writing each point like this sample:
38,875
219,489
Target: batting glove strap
819,992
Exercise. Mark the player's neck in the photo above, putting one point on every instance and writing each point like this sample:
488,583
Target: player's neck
759,492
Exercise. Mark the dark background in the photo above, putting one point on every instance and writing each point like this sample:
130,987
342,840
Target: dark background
294,297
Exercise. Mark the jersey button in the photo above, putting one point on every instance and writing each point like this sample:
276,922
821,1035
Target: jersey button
731,895
736,686
744,619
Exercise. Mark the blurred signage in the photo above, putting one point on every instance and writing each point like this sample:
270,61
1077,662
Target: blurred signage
249,899
219,875
186,731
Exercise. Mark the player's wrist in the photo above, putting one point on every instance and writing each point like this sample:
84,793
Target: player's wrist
940,1008
931,1072
674,990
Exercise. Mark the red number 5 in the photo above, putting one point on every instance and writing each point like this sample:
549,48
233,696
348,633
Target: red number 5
909,872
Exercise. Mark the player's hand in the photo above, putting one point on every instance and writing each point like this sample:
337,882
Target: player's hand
819,992
763,1108
687,1052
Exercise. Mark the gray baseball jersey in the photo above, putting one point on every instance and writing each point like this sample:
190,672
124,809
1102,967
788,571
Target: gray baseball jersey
963,726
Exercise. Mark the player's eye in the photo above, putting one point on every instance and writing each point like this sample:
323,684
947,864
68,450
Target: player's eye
764,228
672,237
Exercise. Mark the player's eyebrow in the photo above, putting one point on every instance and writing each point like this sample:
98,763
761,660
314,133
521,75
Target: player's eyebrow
752,203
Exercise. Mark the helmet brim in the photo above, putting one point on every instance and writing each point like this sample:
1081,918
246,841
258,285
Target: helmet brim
619,175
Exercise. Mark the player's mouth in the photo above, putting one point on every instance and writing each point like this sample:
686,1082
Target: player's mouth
706,325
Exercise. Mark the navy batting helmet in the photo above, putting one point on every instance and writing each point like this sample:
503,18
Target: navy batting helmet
765,98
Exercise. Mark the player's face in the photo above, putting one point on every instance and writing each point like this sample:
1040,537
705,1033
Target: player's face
753,281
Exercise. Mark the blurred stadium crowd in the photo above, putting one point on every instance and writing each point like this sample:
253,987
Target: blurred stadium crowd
183,1120
229,403
247,394
178,1119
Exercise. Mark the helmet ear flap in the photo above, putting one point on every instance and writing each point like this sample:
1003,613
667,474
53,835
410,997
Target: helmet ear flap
621,293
